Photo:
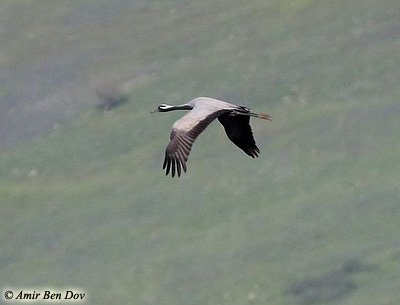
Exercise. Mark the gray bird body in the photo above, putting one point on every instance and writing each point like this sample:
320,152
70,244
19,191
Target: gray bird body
203,110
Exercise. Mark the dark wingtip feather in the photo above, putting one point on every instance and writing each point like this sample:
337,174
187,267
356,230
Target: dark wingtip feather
253,152
165,161
173,167
168,166
178,167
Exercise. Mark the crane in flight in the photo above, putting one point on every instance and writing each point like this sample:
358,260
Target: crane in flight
203,110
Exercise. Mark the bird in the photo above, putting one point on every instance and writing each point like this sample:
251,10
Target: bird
203,110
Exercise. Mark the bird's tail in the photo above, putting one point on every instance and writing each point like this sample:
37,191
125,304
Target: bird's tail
246,111
258,115
264,116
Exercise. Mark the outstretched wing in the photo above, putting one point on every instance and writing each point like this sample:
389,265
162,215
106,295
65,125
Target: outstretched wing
184,133
238,130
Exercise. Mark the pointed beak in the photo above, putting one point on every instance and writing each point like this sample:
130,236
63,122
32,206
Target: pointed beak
155,110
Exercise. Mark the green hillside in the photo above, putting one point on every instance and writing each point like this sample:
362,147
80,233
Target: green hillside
314,220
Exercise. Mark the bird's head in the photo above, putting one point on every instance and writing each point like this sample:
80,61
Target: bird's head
166,108
163,108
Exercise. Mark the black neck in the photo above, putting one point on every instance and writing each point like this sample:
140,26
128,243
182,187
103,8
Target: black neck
180,107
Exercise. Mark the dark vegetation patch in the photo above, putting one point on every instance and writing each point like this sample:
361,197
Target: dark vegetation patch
329,287
356,265
110,96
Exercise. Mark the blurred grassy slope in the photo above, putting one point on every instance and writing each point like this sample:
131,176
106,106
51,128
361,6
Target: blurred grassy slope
49,55
100,214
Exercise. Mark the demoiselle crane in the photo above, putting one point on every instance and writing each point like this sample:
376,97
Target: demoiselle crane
203,110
